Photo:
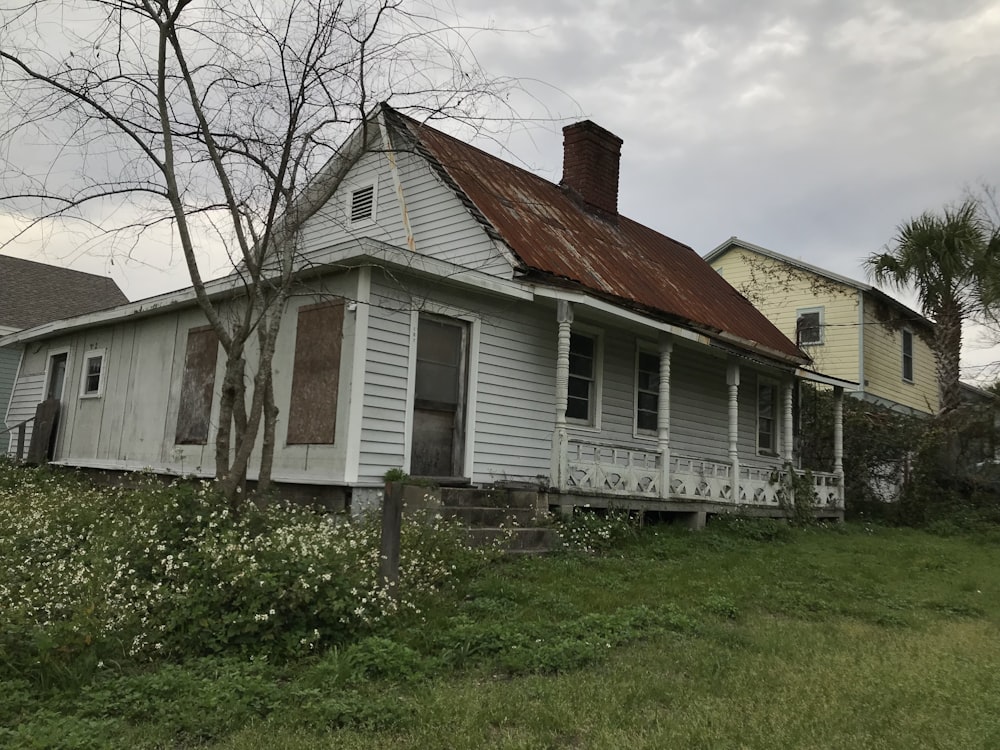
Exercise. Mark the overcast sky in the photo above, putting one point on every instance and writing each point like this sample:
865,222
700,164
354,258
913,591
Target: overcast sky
812,128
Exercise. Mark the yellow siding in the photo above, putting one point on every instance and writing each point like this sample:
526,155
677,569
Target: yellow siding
780,291
884,366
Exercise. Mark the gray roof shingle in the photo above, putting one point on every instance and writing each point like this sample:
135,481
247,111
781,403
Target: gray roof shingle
33,293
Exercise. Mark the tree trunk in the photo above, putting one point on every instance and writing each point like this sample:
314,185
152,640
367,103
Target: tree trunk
948,352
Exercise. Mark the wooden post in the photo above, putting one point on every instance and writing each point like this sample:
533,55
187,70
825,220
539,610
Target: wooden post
838,437
787,423
21,431
559,463
392,524
663,413
733,381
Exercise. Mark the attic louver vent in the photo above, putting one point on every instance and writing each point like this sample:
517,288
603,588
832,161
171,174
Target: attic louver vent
363,204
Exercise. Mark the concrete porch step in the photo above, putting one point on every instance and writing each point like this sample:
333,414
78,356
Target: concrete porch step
489,516
488,498
537,540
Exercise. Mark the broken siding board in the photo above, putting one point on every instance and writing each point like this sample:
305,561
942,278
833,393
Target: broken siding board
312,411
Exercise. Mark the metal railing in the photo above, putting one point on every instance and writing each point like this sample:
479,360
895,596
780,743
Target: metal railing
22,430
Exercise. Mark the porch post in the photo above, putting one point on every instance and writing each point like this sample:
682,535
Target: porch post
663,413
787,423
733,381
838,435
564,316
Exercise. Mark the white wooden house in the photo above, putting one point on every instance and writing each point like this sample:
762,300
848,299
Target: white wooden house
33,293
461,318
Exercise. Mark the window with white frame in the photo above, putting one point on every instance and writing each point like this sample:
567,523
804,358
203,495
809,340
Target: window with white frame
767,417
809,326
361,204
582,396
92,378
907,355
647,391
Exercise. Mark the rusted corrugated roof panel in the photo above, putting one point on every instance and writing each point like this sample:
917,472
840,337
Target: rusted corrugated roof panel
558,241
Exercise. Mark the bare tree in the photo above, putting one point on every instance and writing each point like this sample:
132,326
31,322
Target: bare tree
221,117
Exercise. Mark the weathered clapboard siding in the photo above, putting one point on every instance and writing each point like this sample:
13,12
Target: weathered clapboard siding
884,365
331,224
699,403
780,291
9,359
515,415
133,423
28,391
442,226
514,394
385,387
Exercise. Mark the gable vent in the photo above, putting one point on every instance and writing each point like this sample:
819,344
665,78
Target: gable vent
363,204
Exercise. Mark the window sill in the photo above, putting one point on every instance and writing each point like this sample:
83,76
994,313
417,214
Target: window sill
91,395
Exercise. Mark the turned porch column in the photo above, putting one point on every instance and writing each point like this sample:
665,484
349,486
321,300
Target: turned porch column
838,435
786,423
733,381
564,316
663,413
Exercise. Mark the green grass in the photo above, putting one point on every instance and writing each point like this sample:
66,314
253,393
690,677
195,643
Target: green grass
749,636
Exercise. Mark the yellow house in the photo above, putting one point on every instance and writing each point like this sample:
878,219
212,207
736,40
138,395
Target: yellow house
851,330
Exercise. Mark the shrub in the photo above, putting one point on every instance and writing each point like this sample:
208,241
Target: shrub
591,530
92,575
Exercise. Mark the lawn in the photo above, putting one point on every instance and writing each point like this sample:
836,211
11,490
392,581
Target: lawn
745,635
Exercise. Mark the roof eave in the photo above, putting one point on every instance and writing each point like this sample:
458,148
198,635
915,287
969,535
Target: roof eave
720,250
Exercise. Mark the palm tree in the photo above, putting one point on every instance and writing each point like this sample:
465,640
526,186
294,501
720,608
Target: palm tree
951,261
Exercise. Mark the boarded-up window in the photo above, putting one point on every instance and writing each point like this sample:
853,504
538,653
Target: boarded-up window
312,410
197,386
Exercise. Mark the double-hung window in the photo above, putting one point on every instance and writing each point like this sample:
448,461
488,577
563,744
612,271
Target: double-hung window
809,326
647,391
92,378
907,355
582,396
767,417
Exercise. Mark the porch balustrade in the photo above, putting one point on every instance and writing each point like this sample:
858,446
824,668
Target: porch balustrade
605,469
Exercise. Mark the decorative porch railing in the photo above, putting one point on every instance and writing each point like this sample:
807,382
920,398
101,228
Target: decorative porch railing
622,471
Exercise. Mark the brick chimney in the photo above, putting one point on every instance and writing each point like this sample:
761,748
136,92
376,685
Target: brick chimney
591,156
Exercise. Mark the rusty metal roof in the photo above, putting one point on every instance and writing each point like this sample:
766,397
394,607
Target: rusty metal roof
557,241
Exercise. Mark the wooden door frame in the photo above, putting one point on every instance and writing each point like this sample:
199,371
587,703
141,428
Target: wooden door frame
63,399
470,382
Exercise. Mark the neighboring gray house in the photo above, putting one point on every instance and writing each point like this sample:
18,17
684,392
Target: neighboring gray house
32,293
466,320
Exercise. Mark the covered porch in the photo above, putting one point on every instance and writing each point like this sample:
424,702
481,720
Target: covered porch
590,467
